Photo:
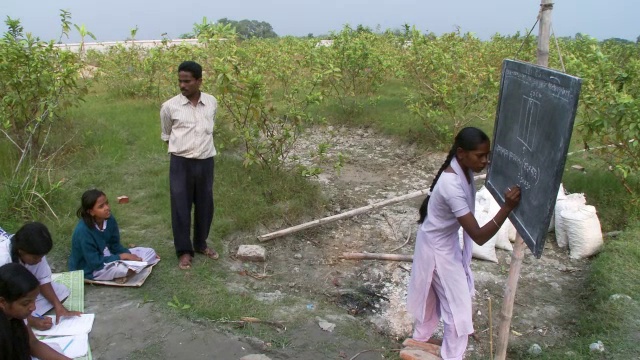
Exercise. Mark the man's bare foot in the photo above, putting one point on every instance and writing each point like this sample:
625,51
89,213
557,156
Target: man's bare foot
210,253
184,262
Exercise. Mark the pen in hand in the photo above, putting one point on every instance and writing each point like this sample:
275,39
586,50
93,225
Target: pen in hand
43,322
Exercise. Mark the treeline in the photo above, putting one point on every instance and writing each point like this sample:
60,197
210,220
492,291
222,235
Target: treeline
244,29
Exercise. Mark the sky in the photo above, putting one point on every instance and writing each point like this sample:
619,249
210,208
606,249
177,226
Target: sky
113,20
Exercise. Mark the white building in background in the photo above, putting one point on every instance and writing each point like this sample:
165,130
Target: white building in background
147,44
324,43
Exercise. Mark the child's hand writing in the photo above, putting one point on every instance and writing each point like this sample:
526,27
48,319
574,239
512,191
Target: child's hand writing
40,323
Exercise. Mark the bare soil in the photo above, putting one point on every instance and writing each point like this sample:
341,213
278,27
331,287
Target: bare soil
305,267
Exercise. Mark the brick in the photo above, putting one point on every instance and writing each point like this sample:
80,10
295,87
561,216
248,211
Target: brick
251,253
428,347
413,354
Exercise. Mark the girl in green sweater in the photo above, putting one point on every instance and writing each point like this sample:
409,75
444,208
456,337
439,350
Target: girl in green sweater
95,244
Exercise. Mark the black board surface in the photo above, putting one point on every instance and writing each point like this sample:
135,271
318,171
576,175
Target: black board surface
532,132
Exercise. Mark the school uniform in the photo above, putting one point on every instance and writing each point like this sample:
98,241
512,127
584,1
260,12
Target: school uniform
41,270
97,251
441,283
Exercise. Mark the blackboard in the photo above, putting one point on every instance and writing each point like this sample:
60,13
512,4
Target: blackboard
534,121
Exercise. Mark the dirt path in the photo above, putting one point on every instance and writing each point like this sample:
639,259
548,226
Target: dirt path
307,269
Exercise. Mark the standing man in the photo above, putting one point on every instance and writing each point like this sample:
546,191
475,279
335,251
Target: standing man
187,123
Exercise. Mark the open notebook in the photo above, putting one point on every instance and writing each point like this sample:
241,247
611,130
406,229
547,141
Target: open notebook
74,280
73,325
75,346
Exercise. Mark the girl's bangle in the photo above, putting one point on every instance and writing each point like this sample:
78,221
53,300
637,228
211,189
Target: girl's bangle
495,222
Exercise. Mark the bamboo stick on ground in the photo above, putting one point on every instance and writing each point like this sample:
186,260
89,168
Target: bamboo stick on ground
344,215
376,256
347,214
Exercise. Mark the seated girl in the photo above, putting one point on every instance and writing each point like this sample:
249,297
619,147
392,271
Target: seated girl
95,244
18,292
28,247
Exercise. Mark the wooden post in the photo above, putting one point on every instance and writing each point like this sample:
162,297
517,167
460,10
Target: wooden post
509,298
544,32
518,250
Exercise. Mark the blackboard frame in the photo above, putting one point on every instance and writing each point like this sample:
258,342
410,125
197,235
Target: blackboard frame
544,103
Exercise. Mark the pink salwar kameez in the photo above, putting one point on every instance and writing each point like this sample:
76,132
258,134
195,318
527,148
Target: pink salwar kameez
441,284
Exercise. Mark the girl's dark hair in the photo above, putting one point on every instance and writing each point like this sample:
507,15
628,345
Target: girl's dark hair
468,139
87,202
32,238
15,282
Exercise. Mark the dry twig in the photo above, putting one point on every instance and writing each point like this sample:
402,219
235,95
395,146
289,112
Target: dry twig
405,242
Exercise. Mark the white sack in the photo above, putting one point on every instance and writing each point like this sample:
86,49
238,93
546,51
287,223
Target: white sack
572,201
486,251
511,230
583,231
562,195
502,236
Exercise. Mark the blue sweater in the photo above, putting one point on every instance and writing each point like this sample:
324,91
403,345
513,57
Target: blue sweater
88,244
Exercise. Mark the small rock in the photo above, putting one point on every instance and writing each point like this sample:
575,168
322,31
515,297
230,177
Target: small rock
535,349
251,253
562,268
597,346
577,167
292,284
255,357
297,256
325,325
616,297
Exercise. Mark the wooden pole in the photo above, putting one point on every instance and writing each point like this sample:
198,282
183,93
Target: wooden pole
518,250
509,298
344,215
544,32
376,256
490,330
347,214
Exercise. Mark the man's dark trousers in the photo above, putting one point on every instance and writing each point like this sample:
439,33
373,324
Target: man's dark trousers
191,183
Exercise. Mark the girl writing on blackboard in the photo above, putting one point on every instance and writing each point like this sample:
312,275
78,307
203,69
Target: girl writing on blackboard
441,284
18,291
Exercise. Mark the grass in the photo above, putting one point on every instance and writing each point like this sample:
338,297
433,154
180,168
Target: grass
616,206
599,316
